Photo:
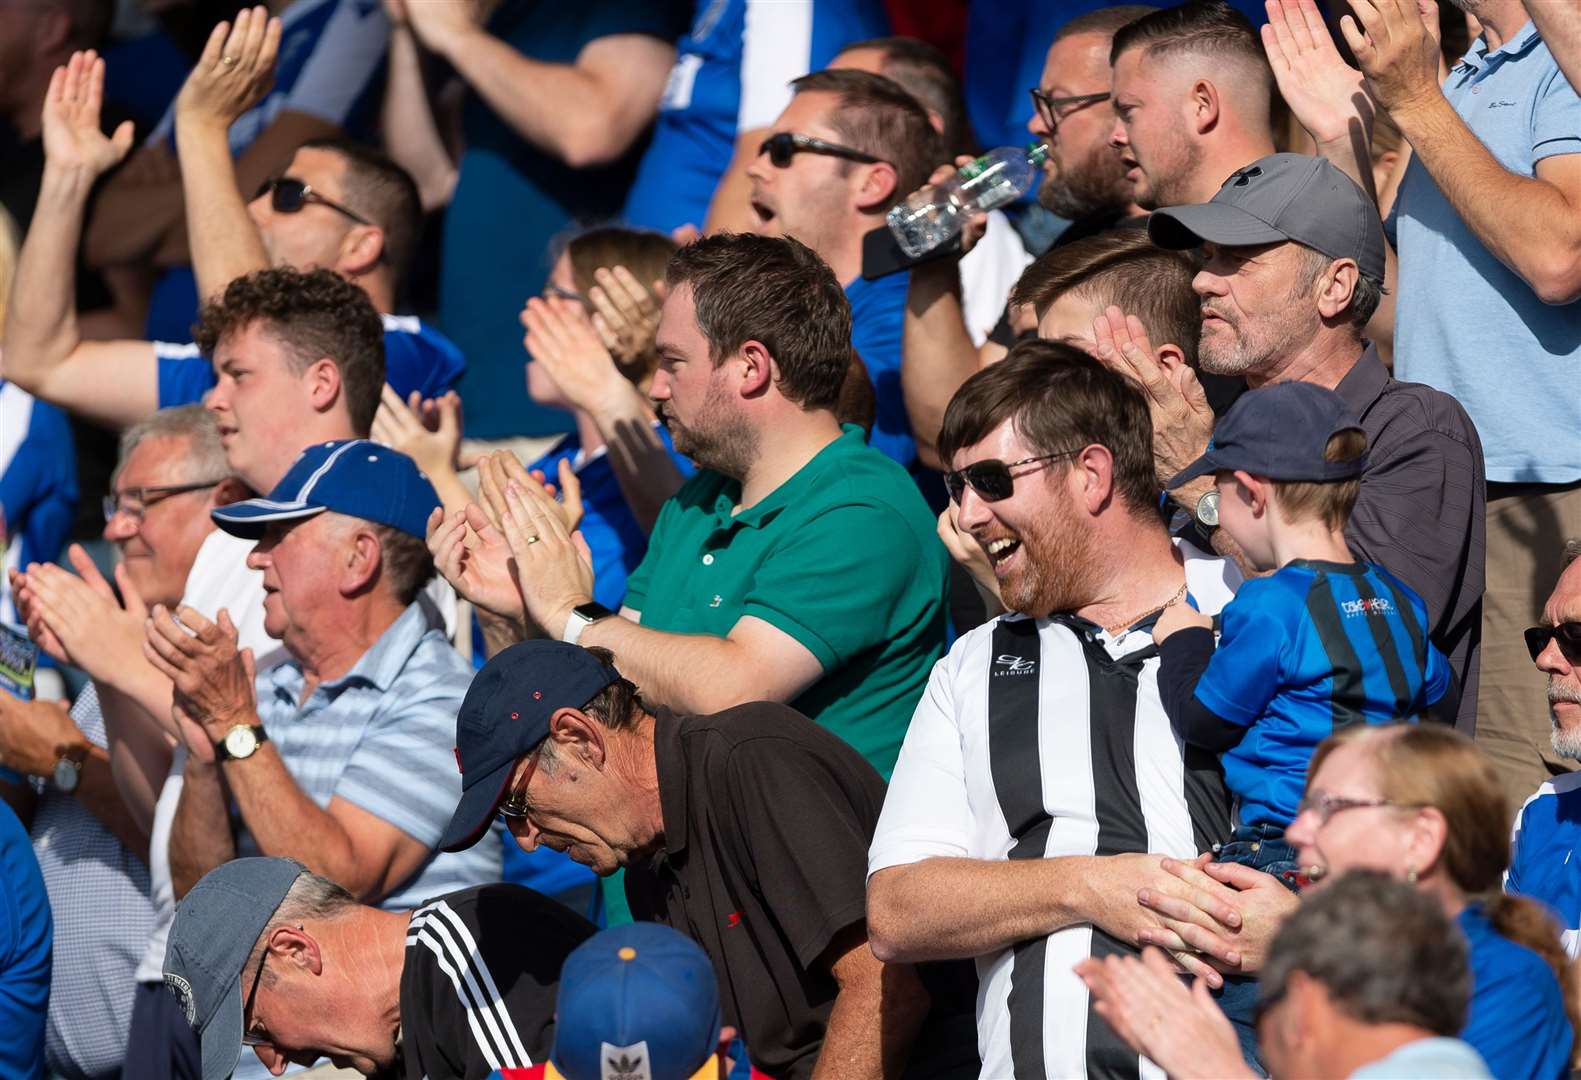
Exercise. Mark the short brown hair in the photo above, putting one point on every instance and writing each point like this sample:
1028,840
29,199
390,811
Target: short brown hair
1059,398
924,72
1107,21
1125,268
315,315
1329,501
643,252
876,116
384,193
1210,28
777,291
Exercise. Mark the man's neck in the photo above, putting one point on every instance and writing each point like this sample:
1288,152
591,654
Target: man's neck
320,428
1139,569
1324,361
1501,20
369,948
328,652
1232,152
844,252
637,763
380,293
1356,1044
787,445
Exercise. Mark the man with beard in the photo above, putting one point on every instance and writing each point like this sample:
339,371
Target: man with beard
1548,828
1192,92
1040,787
1293,271
799,565
1082,180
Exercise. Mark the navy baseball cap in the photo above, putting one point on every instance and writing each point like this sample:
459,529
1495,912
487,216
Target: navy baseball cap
213,934
1277,198
1280,432
505,714
356,477
637,1001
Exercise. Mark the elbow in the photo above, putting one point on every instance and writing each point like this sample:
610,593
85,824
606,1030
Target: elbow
887,919
589,145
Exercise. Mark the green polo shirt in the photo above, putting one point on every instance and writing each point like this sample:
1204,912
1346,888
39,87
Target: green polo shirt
843,557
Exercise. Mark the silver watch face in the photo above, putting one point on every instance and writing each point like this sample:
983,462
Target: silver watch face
241,741
66,774
1208,508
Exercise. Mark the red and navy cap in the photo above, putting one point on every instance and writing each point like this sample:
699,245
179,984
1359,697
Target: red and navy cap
505,715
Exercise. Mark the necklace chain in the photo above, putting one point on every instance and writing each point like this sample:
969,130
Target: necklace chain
1125,624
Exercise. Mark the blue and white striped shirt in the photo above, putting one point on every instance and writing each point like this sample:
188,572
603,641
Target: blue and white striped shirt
383,737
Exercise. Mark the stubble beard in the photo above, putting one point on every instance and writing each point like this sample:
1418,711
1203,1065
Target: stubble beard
720,439
1096,184
1566,741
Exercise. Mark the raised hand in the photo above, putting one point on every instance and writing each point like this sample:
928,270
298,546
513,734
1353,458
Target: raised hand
562,339
553,564
441,24
964,549
1182,418
1323,91
497,471
213,679
403,425
625,312
81,618
235,72
471,554
1396,50
72,138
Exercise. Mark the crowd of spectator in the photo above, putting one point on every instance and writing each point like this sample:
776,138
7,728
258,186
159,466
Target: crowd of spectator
575,599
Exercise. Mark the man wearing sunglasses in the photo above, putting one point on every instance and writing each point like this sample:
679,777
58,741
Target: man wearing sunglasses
1548,828
265,954
849,146
336,205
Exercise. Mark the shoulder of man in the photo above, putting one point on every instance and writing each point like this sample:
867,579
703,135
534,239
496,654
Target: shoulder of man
1405,409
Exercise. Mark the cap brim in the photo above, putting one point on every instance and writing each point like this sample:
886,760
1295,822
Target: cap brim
1201,467
1182,227
480,800
250,518
221,1041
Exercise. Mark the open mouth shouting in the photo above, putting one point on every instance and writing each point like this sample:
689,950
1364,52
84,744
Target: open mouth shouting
1001,550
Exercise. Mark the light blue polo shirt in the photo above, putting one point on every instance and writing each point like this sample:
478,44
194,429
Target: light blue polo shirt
1467,324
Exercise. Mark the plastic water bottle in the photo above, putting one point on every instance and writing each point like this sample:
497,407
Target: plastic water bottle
930,216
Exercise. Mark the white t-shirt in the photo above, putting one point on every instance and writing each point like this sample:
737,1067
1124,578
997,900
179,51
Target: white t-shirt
988,272
1041,738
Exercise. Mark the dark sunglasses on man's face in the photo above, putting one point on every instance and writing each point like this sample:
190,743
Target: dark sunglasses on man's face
1568,635
785,145
991,479
288,195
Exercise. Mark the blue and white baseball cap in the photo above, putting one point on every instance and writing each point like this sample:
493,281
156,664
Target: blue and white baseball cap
356,477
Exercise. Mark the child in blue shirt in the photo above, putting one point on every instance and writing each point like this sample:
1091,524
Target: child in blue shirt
1323,642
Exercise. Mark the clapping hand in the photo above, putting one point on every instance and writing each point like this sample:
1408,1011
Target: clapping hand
72,137
553,564
427,431
1397,50
235,72
564,341
625,313
212,677
471,554
1323,91
1182,418
497,471
77,620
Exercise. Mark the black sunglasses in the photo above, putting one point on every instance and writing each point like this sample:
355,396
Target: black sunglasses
1048,107
991,479
1568,633
785,145
288,195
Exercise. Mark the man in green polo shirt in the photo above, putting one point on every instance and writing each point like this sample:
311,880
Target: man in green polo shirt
799,564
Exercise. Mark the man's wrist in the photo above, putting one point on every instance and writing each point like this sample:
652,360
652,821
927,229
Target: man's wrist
62,181
1411,114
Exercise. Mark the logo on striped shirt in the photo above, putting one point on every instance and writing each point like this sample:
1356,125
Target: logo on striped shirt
1008,664
1374,605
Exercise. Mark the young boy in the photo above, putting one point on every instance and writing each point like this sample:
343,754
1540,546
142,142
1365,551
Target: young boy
1323,642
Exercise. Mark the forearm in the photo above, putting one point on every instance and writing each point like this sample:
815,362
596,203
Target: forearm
1560,27
1540,242
643,467
690,673
938,352
41,324
283,821
1351,154
872,1025
499,633
100,795
410,134
1184,657
956,908
1186,497
200,833
139,754
224,243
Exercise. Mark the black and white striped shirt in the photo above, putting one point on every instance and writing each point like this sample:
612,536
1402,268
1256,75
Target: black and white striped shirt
1040,738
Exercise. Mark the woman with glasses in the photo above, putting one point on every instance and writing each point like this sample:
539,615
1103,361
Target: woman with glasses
1423,804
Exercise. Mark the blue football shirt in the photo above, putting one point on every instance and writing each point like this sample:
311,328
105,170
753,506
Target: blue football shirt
26,938
1517,1019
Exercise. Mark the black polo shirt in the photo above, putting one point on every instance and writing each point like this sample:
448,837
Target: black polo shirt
767,819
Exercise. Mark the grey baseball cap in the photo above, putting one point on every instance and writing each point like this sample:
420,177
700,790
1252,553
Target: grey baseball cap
1277,198
215,928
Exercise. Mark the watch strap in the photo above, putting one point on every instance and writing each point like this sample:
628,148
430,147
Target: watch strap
582,616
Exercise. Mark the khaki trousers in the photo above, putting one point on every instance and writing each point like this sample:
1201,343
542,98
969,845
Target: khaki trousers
1528,525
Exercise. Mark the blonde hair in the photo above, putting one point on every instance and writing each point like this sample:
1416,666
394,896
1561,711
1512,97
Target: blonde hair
1329,501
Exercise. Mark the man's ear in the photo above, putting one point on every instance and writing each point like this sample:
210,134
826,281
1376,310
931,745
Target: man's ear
322,379
1094,467
757,369
579,737
230,490
1339,285
297,948
1204,106
361,250
878,187
364,559
1171,357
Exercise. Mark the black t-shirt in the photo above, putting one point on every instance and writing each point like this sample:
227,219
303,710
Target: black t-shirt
482,973
767,820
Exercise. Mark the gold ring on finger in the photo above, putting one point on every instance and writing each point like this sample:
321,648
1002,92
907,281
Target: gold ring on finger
531,540
228,61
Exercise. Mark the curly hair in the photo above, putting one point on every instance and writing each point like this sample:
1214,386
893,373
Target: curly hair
315,315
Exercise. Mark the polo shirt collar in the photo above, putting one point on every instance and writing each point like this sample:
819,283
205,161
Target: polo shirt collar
670,761
1364,383
1477,57
765,509
378,667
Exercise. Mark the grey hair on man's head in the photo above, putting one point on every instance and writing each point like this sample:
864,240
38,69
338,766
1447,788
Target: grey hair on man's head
311,896
205,453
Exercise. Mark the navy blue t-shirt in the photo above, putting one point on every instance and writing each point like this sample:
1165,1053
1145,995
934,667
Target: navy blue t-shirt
512,198
416,357
1517,1019
1309,649
26,937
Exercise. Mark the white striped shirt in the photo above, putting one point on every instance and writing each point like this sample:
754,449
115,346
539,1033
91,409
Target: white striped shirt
1041,738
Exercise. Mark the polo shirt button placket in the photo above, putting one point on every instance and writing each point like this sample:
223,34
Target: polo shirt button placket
708,559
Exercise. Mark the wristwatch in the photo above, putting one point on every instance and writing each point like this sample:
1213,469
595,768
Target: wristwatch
240,742
583,616
1208,508
67,773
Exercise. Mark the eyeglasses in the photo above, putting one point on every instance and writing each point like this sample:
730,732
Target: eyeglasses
1048,107
567,294
515,805
251,1037
1325,806
992,479
136,501
785,145
1568,635
289,195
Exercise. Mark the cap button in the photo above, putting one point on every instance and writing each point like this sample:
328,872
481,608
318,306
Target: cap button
627,953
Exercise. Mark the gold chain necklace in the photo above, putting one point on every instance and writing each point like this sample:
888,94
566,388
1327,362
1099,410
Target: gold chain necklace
1119,628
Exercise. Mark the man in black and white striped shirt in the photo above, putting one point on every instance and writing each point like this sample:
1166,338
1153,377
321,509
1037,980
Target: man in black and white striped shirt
1040,785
